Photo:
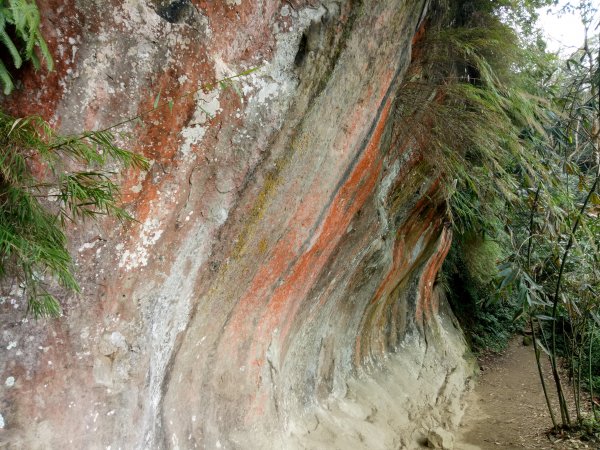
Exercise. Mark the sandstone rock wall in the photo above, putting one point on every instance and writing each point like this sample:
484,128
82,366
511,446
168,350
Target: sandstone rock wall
278,289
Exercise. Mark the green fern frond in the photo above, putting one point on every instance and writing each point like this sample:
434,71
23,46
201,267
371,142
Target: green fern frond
21,18
5,79
44,51
37,65
11,47
26,20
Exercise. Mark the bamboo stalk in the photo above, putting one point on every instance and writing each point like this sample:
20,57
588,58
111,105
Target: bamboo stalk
590,378
541,373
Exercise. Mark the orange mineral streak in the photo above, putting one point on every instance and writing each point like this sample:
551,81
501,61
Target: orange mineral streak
350,199
286,300
287,297
425,303
423,224
419,35
346,204
285,251
418,226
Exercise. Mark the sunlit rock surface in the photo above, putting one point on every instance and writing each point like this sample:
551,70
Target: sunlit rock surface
279,287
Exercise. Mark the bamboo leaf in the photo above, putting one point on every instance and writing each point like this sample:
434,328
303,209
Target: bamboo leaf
543,317
15,123
543,348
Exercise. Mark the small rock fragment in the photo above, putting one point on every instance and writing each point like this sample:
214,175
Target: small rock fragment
440,438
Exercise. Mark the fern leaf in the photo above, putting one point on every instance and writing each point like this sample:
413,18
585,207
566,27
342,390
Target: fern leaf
6,79
12,49
35,61
46,55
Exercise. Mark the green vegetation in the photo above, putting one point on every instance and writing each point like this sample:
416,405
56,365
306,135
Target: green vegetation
470,272
473,108
46,179
20,35
40,192
516,134
554,260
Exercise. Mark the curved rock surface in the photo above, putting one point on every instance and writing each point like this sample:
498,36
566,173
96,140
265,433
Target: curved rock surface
278,289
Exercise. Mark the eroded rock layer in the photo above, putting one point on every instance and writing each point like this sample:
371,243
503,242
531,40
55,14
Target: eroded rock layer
278,289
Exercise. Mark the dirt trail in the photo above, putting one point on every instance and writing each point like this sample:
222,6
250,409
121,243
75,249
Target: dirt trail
507,410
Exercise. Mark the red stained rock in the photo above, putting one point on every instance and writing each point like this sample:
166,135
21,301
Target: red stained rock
288,236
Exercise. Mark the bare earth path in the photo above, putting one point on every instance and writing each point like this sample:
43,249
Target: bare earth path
507,410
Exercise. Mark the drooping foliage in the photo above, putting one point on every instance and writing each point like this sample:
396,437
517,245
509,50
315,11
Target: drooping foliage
472,105
46,179
516,136
41,189
21,37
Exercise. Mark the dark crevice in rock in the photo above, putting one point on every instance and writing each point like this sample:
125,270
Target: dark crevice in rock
301,55
173,11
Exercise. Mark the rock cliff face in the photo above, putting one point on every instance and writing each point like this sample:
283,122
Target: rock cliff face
278,289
